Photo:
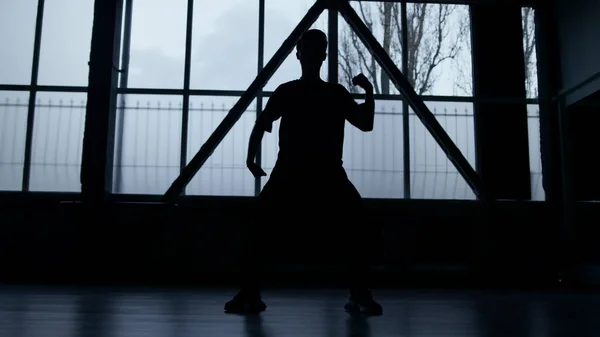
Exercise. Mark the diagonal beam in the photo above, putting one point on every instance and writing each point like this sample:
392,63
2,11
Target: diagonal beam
242,104
413,99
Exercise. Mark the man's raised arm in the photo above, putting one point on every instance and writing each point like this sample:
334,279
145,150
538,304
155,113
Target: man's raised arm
367,109
362,115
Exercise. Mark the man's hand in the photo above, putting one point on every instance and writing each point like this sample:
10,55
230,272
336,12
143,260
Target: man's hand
363,82
255,169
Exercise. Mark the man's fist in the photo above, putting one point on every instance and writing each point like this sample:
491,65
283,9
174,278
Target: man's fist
362,81
255,169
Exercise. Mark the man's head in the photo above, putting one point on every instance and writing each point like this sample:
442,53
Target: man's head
311,50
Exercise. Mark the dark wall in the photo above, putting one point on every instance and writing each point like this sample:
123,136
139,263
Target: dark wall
578,37
47,240
584,118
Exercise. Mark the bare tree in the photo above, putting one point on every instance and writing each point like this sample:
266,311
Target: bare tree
464,80
430,42
529,51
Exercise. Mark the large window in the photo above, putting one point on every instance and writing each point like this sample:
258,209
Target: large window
162,120
42,127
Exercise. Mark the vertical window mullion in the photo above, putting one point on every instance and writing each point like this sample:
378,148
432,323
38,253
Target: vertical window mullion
405,106
32,96
123,82
259,96
333,45
186,87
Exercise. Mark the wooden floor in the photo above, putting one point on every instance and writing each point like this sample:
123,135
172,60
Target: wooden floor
64,312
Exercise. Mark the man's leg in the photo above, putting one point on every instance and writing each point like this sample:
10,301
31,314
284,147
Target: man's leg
249,300
358,264
252,261
360,239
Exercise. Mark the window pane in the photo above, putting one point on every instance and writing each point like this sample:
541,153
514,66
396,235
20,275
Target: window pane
531,83
281,17
157,55
147,143
66,39
225,172
372,160
13,125
439,61
17,30
224,55
433,176
383,19
57,142
535,155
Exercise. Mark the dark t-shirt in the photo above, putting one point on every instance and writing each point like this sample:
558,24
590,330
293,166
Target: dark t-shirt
311,133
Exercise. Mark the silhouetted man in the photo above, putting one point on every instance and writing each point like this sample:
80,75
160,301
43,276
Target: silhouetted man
308,177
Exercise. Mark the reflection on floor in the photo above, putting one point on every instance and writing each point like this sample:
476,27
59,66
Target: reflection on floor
26,311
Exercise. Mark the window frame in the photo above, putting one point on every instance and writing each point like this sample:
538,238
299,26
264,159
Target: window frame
332,30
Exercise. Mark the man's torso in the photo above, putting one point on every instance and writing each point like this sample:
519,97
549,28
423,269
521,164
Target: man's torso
311,131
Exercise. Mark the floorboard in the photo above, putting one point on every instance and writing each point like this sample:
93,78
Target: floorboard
27,311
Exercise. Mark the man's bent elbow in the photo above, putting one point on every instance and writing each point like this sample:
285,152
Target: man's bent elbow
367,127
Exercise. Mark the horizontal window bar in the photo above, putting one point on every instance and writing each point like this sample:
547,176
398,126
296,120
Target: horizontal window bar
235,93
47,88
522,3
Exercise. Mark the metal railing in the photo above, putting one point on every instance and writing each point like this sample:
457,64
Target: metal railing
149,143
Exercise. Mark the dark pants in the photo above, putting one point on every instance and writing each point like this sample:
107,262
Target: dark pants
296,205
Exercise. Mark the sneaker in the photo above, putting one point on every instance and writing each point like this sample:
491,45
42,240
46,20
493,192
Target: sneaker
364,304
244,303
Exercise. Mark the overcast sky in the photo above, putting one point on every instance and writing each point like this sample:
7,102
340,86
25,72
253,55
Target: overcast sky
225,35
224,56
